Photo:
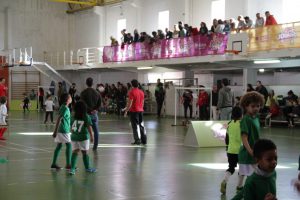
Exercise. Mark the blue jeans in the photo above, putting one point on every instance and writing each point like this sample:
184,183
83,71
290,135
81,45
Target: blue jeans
94,118
225,113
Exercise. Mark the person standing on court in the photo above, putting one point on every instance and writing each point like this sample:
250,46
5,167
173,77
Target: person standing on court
135,105
225,100
93,101
3,88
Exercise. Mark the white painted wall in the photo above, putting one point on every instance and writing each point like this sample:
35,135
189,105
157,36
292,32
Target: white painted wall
41,24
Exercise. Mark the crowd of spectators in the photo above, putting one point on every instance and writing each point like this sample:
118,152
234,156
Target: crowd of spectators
181,30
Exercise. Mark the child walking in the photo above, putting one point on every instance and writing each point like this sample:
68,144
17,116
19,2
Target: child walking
261,185
49,108
233,140
3,115
81,136
251,103
62,133
26,103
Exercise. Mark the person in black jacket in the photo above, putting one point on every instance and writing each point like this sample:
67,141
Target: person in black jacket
262,90
93,101
160,97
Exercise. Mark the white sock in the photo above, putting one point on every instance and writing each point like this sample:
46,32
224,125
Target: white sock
227,175
240,181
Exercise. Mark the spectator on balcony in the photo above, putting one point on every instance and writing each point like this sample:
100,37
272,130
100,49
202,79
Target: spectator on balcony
181,32
232,24
160,34
248,23
113,41
124,38
169,34
136,36
214,26
154,38
270,20
129,38
143,37
175,32
187,30
220,27
226,29
241,24
194,31
203,29
260,21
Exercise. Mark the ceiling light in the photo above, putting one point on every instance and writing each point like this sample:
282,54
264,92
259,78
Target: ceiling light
143,68
266,61
261,70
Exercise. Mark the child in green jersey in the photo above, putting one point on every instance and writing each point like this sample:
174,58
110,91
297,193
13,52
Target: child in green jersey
62,131
233,140
251,102
261,185
82,134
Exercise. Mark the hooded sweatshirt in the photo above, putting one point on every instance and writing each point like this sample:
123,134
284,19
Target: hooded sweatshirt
225,98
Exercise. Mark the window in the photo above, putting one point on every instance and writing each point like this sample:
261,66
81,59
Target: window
163,20
218,9
290,11
121,26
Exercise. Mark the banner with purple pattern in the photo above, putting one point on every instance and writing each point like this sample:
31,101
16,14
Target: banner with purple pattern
214,44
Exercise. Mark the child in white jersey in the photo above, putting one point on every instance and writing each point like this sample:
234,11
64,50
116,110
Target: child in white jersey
3,115
49,108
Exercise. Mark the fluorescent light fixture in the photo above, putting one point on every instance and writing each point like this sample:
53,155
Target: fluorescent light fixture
261,70
266,61
144,67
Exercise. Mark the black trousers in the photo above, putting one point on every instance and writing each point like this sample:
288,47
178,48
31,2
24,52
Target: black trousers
159,106
137,124
51,116
232,161
203,112
186,106
25,106
41,102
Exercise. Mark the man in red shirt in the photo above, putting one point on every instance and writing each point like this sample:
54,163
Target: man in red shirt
270,20
135,105
3,88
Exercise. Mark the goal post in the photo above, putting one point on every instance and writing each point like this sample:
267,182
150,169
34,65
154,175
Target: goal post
195,90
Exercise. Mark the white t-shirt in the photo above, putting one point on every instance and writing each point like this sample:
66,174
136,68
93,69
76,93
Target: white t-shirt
3,113
49,105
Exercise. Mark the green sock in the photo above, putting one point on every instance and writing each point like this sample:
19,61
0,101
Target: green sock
68,153
3,160
56,153
86,161
74,160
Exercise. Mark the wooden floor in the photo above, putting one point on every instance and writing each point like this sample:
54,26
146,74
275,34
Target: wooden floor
164,169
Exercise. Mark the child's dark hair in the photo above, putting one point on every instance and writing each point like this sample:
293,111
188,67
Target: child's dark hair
262,146
64,98
3,100
236,113
80,110
252,97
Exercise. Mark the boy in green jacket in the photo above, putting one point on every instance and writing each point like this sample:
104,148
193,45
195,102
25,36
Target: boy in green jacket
261,185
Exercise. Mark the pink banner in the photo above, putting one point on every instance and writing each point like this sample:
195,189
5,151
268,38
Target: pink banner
214,44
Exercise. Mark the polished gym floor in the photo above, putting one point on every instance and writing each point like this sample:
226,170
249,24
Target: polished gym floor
164,169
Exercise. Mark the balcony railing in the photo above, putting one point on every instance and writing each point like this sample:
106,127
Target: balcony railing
213,44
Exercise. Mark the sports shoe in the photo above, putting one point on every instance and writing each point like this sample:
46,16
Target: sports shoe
55,167
223,187
91,170
136,143
72,172
68,168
